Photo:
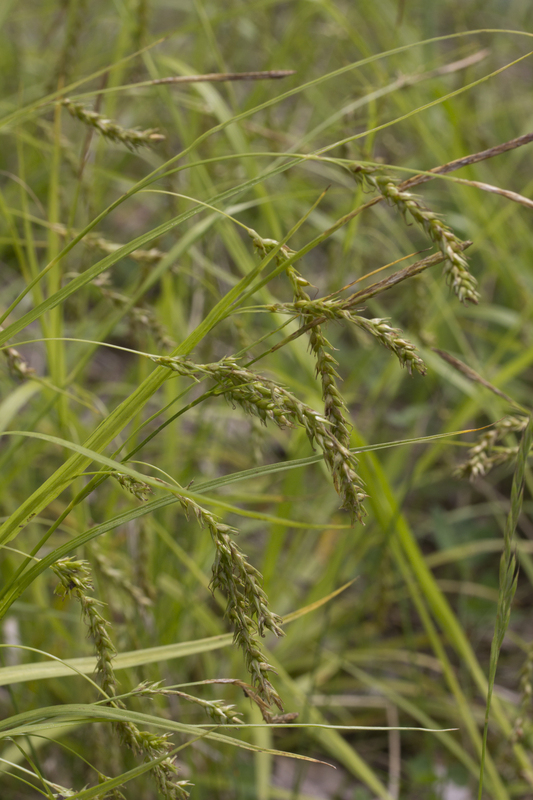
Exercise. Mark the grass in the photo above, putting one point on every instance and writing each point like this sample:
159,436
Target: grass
209,291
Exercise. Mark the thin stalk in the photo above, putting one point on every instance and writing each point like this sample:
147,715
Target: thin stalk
508,581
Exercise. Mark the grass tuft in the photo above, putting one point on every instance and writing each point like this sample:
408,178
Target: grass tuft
190,233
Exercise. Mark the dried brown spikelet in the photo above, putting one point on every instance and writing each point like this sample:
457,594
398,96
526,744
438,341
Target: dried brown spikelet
151,256
17,364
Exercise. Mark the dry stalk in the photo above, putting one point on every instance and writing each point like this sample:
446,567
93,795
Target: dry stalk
472,375
271,74
466,161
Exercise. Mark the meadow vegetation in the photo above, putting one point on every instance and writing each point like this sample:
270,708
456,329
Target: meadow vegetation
265,393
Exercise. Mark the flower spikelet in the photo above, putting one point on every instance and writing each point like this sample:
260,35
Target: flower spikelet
76,581
247,604
265,246
455,265
269,401
110,130
217,710
140,489
394,341
482,457
342,464
391,338
345,478
17,365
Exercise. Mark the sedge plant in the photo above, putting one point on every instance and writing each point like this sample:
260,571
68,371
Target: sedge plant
240,351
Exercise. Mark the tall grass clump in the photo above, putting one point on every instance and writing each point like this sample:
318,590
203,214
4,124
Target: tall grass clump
264,272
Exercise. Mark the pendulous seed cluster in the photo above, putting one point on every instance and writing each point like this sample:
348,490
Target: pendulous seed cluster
482,458
393,340
247,604
269,401
341,462
347,482
455,264
76,581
